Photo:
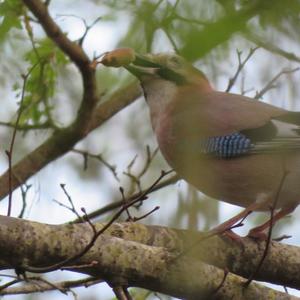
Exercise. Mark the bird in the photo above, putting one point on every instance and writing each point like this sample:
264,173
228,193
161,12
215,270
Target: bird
230,147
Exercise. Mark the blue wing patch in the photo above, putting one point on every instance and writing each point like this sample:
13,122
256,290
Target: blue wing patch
226,146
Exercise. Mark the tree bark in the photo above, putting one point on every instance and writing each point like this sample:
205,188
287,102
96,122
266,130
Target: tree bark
176,262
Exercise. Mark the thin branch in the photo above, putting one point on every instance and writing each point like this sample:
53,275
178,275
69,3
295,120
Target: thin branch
8,284
53,285
24,190
272,209
135,219
32,287
120,293
172,41
88,118
64,139
136,178
72,206
270,85
99,157
226,272
77,55
86,248
119,203
9,152
241,66
29,31
87,26
271,48
26,127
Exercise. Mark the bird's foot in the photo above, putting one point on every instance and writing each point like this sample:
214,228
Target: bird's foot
257,235
282,237
231,235
234,237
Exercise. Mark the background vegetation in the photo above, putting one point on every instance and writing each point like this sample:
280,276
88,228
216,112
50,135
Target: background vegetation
69,133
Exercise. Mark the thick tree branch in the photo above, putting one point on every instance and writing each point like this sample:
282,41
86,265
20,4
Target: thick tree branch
152,257
77,55
281,266
63,141
119,100
73,50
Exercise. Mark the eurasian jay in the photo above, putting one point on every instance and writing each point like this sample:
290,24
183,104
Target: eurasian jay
230,147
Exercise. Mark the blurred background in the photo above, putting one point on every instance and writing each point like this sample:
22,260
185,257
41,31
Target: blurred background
123,151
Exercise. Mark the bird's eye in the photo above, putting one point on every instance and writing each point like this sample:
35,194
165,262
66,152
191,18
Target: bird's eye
175,61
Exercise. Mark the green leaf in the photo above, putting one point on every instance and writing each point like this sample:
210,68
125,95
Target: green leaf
10,11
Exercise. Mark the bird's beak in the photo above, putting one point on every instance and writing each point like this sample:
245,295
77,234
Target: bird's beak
143,66
147,66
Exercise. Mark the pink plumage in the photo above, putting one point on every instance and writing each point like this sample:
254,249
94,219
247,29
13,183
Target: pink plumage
231,147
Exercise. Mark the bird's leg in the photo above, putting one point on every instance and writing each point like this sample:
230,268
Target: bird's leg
258,232
228,225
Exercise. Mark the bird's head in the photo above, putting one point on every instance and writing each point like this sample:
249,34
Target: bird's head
167,67
164,77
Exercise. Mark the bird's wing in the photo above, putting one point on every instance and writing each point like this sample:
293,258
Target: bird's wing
281,133
274,137
228,125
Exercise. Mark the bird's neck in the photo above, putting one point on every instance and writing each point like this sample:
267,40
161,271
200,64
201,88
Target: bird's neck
160,94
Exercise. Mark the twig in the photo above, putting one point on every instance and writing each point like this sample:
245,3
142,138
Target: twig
120,293
127,293
129,218
9,152
74,51
32,287
79,128
135,219
282,237
56,266
26,127
29,31
268,241
92,264
172,41
241,65
120,202
262,259
8,284
36,160
272,48
53,285
98,157
270,85
24,191
172,15
89,221
71,207
136,178
226,272
87,26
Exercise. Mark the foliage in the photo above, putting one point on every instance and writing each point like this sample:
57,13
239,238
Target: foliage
10,13
209,33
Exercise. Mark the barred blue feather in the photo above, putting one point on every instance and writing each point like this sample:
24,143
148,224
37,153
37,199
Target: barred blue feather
227,146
